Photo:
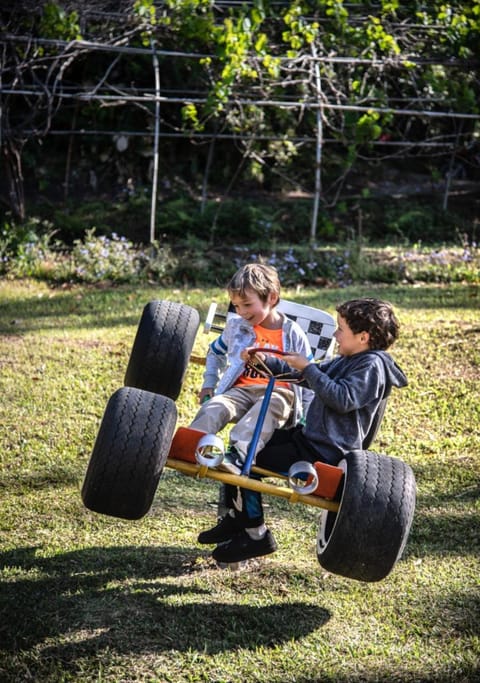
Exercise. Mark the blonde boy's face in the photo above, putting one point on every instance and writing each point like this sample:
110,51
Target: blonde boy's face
251,308
349,342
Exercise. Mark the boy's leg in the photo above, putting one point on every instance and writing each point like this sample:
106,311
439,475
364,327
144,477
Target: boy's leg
279,411
246,504
245,510
253,539
282,451
219,410
256,540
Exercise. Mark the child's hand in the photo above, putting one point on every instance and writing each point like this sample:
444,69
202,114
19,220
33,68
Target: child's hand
204,395
296,360
250,353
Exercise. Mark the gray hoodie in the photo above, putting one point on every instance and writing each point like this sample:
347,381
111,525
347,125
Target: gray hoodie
349,393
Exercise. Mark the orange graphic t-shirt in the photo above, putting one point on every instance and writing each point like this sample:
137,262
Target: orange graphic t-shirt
271,339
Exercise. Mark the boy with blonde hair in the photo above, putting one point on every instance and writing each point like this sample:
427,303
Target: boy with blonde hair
232,391
349,398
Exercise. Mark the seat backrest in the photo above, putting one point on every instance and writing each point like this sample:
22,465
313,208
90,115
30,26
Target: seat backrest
375,426
378,417
318,325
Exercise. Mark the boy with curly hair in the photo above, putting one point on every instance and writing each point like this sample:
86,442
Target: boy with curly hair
350,392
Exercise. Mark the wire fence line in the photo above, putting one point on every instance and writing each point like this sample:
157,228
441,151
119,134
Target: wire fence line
397,61
295,71
282,104
441,145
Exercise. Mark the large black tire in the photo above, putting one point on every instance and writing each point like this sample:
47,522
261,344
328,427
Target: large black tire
366,537
129,454
162,347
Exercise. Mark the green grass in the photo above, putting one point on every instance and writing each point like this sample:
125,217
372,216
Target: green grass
90,598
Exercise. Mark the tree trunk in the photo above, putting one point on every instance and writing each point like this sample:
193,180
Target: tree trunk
153,209
318,149
12,156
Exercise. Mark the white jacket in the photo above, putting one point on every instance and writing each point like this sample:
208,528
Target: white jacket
224,364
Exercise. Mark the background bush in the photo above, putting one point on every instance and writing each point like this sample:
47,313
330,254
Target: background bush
33,250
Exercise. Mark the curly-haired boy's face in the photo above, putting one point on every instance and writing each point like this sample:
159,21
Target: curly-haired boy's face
349,342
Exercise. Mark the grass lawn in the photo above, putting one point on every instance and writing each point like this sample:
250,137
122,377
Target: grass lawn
85,597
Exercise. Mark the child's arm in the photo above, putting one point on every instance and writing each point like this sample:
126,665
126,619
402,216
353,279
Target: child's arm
215,364
299,343
278,366
360,383
205,393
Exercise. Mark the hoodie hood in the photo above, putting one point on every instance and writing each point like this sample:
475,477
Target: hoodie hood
395,377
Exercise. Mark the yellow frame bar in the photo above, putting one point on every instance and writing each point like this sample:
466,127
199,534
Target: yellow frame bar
200,471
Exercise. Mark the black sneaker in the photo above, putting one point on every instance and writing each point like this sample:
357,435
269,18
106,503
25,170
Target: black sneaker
226,529
243,547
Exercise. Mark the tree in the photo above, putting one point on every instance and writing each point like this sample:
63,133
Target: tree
279,80
41,48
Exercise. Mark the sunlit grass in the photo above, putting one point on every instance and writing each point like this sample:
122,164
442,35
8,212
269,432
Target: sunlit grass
85,597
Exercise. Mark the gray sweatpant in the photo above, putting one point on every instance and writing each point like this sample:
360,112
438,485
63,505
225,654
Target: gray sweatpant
241,405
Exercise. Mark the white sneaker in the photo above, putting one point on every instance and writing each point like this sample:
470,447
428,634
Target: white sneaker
231,463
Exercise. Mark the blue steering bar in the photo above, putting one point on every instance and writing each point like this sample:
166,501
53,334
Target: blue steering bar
258,427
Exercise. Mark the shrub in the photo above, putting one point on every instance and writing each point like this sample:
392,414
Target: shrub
444,264
28,250
158,263
98,258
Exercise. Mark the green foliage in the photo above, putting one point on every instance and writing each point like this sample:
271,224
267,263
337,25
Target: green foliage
159,263
367,127
181,216
190,117
71,220
442,264
193,260
146,12
379,39
29,250
235,38
421,222
56,23
268,216
299,31
100,258
192,19
247,54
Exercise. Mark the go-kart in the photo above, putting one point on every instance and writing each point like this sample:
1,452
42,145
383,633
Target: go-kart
366,503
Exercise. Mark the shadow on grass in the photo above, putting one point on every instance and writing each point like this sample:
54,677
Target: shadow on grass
19,317
83,307
117,598
42,478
